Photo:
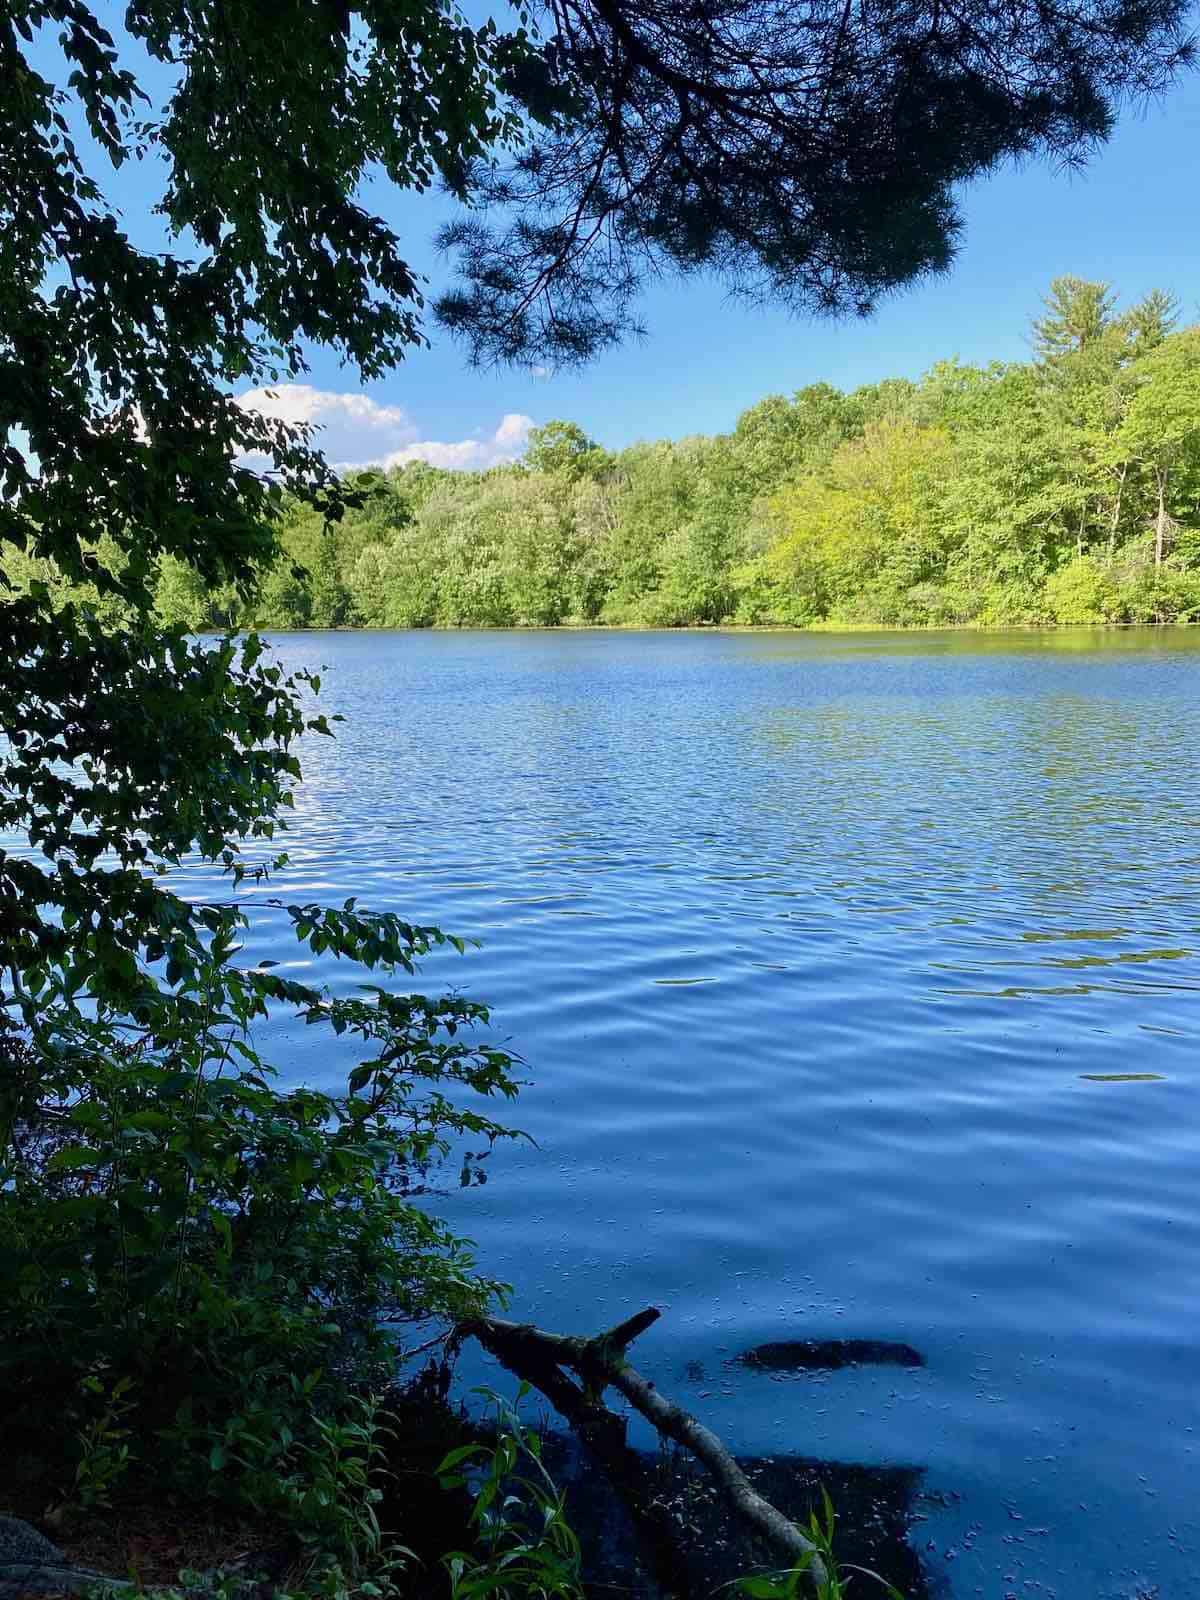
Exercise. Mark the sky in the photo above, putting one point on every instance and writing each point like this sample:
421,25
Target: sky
1130,219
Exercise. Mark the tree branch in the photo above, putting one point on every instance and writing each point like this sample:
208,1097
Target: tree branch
539,1356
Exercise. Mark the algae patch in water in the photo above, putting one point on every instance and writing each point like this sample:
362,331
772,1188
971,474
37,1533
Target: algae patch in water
1124,1077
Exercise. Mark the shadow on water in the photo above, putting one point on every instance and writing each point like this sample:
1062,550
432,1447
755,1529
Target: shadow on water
876,1508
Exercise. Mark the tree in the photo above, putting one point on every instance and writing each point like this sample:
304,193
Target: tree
654,504
1088,356
863,533
1035,513
168,1216
807,153
1161,429
1149,322
777,438
523,521
563,447
1077,316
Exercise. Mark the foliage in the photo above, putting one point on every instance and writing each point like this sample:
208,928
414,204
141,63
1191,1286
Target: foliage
798,1580
331,1502
104,1450
525,1547
863,536
563,447
1064,490
218,1253
1077,315
1082,592
226,1251
808,153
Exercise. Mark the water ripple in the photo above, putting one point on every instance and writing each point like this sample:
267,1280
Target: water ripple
857,980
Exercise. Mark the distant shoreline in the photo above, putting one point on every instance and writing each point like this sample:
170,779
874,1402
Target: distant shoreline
816,630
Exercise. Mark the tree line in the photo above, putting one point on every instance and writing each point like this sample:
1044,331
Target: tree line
1064,489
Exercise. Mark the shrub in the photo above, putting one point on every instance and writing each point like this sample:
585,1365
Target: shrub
1013,601
225,1252
1082,592
1161,594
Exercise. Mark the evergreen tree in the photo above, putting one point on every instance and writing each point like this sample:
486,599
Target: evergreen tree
1077,315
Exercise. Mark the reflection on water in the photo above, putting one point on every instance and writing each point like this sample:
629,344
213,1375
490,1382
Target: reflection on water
841,965
879,1511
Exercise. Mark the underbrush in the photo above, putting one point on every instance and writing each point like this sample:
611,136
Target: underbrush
205,1275
208,1277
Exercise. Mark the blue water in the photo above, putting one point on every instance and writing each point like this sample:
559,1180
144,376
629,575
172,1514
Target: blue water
810,944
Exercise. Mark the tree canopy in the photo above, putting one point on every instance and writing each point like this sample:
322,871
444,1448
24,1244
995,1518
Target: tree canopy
1064,489
807,153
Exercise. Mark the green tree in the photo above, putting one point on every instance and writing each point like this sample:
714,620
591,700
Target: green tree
1087,353
652,509
397,585
1036,511
182,599
563,447
167,1214
1149,322
862,538
776,439
1077,315
1161,428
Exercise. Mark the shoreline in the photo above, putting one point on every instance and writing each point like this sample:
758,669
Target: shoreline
816,631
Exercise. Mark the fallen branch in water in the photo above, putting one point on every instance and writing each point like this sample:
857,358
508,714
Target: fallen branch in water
600,1363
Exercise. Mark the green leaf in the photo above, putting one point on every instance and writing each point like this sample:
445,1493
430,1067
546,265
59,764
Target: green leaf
465,1452
71,1158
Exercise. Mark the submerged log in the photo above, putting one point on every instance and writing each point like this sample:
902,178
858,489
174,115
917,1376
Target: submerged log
830,1355
540,1357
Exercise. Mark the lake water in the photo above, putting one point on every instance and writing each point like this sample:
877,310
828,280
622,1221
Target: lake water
823,952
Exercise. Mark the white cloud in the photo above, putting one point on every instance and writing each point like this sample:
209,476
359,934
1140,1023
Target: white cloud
494,450
514,429
350,424
357,431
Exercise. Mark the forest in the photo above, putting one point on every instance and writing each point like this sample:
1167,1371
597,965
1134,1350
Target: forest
1064,489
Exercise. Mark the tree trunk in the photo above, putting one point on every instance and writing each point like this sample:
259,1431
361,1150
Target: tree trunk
1160,526
1116,516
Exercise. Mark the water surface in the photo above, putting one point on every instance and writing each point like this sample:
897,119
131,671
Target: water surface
858,982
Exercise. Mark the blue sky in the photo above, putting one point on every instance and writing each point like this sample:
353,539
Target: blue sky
1130,218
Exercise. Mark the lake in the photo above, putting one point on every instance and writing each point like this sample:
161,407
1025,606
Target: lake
828,956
